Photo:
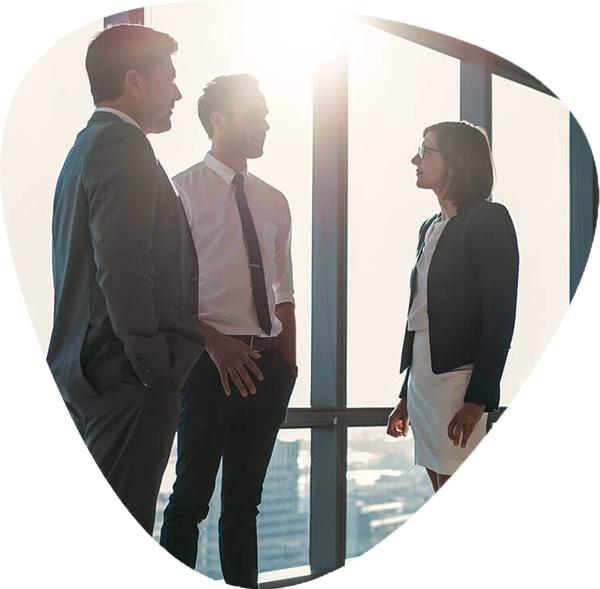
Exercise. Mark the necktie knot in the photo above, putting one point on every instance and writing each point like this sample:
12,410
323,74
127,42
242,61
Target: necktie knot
238,181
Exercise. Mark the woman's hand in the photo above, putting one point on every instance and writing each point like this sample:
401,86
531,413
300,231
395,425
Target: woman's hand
398,420
464,421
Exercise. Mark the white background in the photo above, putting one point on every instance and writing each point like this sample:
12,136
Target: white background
524,509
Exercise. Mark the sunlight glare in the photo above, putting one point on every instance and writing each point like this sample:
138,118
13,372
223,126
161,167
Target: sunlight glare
307,34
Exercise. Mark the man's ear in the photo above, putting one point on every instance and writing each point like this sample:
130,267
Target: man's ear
132,80
217,120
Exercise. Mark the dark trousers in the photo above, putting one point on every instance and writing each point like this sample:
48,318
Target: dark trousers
129,431
242,431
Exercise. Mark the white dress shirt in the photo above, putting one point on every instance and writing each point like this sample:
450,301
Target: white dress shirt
417,317
225,299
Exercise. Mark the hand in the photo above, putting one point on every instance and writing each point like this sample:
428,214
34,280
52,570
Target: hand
465,420
398,421
232,357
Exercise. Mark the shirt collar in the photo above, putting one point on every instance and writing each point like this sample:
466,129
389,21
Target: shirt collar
221,169
120,114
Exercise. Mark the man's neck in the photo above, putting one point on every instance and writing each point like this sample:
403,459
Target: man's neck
124,108
233,162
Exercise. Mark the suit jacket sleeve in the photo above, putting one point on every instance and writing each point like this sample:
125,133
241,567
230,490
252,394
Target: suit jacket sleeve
492,243
122,188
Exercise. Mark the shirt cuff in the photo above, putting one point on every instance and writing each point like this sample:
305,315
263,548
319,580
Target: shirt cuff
281,298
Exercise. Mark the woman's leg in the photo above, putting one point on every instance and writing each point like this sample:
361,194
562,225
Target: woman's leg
437,480
434,479
441,479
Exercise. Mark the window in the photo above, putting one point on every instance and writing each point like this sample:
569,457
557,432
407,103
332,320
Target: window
285,77
384,487
50,107
396,89
284,520
333,457
531,150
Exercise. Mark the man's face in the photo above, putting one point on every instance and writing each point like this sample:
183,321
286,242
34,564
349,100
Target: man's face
159,94
246,128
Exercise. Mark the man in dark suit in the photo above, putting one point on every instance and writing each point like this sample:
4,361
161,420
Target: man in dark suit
125,272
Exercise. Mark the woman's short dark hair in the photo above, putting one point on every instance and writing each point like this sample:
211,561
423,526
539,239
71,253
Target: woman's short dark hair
466,149
219,94
119,48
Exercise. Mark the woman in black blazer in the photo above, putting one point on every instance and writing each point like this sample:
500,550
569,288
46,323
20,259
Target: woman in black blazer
462,303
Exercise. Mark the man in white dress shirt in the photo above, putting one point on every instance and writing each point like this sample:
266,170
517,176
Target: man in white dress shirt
237,394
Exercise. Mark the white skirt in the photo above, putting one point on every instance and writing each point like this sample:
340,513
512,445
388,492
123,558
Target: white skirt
433,400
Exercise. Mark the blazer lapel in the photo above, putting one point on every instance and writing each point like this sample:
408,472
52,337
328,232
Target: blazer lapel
420,247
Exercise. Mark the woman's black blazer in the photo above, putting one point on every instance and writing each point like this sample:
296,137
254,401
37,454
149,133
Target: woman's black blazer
471,298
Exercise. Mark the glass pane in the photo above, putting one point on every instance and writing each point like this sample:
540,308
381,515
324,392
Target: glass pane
531,149
284,512
396,89
384,487
262,40
52,104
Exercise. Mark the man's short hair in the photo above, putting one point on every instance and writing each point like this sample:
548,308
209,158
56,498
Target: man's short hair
219,94
119,48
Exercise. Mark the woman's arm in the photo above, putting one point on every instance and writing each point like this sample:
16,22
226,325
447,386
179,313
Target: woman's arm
492,244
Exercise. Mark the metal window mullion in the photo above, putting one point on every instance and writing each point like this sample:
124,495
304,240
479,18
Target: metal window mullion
455,48
582,205
476,93
596,198
135,16
328,371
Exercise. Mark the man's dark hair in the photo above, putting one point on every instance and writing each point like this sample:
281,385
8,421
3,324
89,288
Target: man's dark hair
219,95
117,49
466,149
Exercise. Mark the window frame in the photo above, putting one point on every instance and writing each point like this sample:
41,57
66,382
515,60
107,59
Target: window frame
328,416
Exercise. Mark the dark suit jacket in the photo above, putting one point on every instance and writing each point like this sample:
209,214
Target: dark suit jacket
471,298
124,266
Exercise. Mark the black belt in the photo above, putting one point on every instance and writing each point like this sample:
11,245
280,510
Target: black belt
260,344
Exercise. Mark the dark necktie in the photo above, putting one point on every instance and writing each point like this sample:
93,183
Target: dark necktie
257,274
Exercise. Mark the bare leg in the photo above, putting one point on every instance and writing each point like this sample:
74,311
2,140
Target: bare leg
441,479
434,479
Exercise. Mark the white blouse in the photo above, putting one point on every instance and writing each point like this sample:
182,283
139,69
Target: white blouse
417,316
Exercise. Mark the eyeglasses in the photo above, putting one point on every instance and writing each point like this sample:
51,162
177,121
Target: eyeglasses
422,150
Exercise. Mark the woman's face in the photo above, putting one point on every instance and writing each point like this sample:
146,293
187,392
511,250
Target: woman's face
431,168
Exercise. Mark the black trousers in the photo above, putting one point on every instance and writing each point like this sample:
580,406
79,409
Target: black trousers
242,431
129,431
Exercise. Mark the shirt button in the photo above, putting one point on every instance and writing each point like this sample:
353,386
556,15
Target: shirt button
194,277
